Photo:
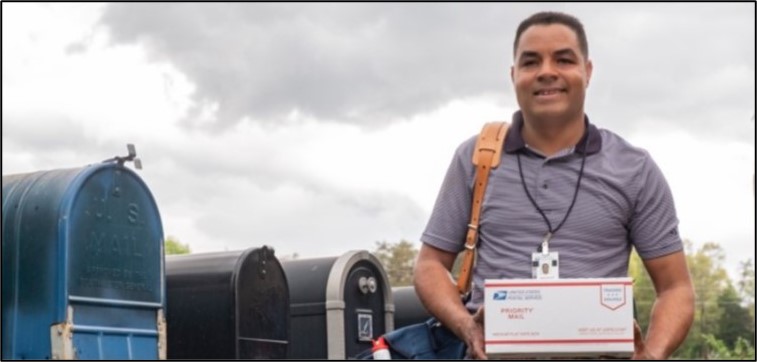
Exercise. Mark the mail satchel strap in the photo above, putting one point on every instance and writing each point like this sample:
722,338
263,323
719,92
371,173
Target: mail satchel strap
486,156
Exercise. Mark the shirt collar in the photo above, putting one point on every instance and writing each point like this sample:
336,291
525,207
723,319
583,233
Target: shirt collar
514,140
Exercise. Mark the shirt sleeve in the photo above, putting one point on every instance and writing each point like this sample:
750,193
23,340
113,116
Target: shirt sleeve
654,224
447,227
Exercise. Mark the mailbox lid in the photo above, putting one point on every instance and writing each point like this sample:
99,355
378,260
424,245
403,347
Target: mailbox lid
262,306
114,236
232,305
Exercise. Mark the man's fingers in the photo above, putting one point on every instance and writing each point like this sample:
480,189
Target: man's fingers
478,317
480,354
638,339
474,336
478,350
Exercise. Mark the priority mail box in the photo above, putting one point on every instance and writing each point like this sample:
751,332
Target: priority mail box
532,318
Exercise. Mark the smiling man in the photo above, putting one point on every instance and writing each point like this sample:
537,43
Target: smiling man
551,74
563,185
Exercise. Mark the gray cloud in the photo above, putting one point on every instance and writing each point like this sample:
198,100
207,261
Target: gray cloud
51,137
691,65
365,63
264,203
324,222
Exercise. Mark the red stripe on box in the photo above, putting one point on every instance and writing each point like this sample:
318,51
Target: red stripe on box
560,341
576,284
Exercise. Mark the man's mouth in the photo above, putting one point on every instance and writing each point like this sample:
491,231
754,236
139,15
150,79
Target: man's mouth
547,92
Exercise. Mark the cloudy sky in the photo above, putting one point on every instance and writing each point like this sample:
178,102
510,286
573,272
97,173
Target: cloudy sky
322,128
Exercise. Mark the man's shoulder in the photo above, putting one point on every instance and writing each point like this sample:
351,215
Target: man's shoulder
615,146
468,144
628,163
465,148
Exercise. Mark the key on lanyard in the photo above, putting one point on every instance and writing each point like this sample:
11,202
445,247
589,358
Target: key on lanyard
545,243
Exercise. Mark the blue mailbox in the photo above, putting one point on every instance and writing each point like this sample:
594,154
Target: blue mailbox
82,266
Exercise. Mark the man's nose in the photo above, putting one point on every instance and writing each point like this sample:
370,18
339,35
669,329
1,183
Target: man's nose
547,72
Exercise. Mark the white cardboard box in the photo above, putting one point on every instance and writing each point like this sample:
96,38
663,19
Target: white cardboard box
531,318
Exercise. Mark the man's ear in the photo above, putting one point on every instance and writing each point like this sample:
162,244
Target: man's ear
512,73
589,69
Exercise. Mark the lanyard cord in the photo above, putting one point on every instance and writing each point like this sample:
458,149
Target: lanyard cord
575,194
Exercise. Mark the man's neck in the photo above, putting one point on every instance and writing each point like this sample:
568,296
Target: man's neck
551,136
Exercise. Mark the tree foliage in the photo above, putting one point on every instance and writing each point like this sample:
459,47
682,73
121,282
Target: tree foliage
723,325
398,260
174,247
643,290
746,284
735,321
719,350
710,280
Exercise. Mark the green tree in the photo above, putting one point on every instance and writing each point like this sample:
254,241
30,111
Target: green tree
398,260
457,265
643,290
174,247
746,284
719,350
710,280
715,313
735,321
746,289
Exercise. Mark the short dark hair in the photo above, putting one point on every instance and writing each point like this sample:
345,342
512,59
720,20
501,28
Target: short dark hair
549,18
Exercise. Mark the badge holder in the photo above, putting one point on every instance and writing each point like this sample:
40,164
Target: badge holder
545,264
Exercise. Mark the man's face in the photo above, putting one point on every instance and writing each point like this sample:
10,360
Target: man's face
550,73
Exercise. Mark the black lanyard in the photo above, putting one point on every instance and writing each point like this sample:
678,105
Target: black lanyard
545,243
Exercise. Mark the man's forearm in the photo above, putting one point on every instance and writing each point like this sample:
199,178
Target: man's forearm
437,292
670,320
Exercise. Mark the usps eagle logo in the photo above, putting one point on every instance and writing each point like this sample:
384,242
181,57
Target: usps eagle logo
500,295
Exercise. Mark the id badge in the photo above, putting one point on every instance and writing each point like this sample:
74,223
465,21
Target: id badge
545,266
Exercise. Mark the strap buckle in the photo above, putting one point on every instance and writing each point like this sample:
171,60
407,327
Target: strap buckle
475,229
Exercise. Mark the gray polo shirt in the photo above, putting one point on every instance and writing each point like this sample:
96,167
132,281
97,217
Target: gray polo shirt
623,201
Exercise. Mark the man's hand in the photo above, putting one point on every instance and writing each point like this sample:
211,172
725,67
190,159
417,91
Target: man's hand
639,347
472,333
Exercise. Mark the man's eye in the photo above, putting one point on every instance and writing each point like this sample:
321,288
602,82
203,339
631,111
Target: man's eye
528,63
565,61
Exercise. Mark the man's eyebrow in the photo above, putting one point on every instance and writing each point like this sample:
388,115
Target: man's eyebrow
534,54
566,51
529,54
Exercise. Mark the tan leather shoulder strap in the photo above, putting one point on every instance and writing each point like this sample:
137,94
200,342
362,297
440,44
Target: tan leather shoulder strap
490,140
486,156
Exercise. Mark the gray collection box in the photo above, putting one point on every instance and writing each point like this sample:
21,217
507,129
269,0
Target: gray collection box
338,304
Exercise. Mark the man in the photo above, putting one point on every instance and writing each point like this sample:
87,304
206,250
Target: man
583,192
